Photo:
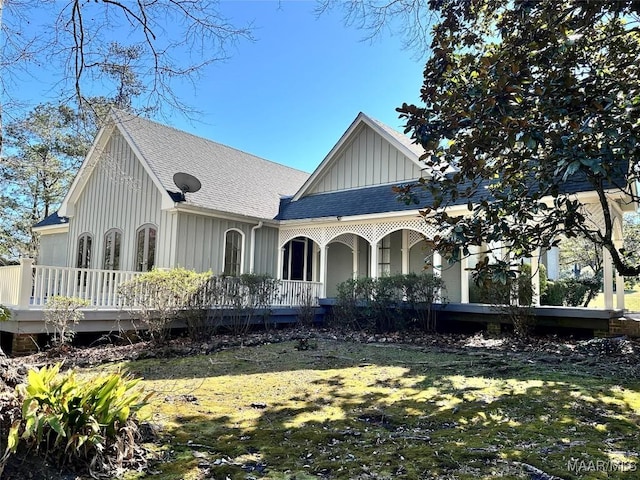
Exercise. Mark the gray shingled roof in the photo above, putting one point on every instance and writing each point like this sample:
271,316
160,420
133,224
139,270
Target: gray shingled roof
381,199
233,181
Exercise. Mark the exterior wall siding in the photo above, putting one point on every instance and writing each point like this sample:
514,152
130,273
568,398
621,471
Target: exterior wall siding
340,266
266,251
53,249
119,194
200,244
417,256
451,278
368,160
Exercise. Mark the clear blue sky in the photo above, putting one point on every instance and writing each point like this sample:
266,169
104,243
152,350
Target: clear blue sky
290,95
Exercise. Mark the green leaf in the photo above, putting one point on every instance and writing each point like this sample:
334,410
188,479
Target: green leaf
54,423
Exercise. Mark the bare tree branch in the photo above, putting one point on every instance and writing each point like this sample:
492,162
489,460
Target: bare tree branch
177,40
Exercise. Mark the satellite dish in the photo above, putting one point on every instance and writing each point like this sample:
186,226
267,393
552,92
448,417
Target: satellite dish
186,183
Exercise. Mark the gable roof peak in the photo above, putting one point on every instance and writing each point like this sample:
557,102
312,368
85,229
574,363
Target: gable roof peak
400,141
233,181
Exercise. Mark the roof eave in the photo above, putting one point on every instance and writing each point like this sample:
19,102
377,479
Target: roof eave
210,212
51,229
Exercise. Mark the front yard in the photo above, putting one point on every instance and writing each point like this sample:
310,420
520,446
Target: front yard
474,408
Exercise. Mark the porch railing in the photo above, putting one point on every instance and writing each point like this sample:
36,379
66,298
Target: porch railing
10,283
294,293
98,287
30,286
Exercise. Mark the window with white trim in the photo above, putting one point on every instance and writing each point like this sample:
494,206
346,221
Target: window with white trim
112,244
233,253
83,259
146,248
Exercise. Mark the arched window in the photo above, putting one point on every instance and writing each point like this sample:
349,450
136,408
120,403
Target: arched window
85,242
233,241
112,242
146,248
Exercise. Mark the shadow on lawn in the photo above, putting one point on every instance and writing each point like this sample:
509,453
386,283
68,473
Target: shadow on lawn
436,417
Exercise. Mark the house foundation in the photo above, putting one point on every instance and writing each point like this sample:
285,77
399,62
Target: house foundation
624,326
23,344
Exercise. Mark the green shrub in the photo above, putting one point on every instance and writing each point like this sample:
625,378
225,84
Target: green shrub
572,292
240,298
158,297
353,303
554,294
387,303
544,280
62,312
88,423
421,291
490,291
5,313
306,307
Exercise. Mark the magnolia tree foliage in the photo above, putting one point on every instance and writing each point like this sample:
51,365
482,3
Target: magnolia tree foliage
522,100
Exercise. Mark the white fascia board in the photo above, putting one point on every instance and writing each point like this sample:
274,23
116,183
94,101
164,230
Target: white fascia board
361,119
369,218
328,158
411,155
67,207
51,229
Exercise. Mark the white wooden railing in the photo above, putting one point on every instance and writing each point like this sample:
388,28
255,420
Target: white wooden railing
98,287
293,293
10,284
30,286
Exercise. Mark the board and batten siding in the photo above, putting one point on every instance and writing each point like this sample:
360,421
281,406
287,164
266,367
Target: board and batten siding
200,244
266,251
120,194
367,160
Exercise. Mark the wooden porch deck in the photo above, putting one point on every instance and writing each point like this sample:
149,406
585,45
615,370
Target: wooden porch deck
453,317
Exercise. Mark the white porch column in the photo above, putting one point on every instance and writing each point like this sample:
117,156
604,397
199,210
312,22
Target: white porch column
619,284
619,292
316,262
437,263
535,277
608,278
305,265
356,254
374,260
553,263
279,274
323,270
495,251
26,282
464,280
405,252
436,259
